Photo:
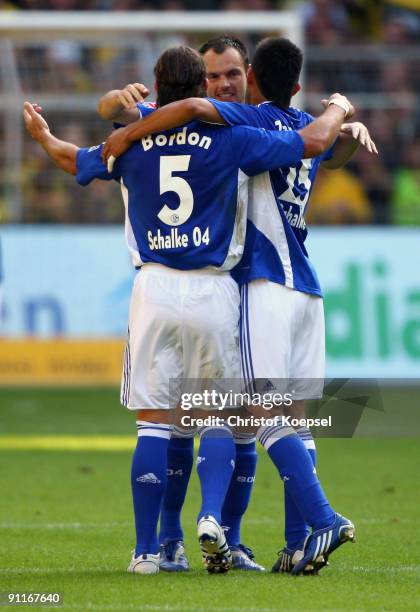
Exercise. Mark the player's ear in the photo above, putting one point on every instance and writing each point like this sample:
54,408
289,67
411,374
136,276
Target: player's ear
206,84
156,86
250,76
296,89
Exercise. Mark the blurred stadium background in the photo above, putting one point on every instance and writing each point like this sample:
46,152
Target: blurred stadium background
66,275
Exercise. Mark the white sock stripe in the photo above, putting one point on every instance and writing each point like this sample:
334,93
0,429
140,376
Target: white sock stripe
309,444
270,434
264,431
154,433
167,426
155,430
141,427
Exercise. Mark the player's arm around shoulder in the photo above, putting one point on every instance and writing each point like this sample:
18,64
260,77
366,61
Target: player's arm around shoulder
258,150
236,113
168,117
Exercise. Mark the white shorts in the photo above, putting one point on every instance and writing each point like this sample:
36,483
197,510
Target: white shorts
182,325
282,339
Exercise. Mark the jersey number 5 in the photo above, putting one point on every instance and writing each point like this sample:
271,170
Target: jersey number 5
168,182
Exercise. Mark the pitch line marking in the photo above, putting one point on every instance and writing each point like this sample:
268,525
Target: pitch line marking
75,525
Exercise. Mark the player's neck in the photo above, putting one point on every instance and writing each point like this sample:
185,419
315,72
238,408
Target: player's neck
255,97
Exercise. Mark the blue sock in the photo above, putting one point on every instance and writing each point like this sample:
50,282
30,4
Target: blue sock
240,488
296,469
215,465
148,482
180,461
295,527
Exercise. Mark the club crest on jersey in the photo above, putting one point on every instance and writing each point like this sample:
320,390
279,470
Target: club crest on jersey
177,138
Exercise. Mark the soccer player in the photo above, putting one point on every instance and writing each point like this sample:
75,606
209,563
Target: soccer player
184,273
226,61
281,296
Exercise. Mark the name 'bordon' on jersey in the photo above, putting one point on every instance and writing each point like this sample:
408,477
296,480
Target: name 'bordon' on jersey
276,228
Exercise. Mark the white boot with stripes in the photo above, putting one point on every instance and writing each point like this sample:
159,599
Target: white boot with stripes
217,557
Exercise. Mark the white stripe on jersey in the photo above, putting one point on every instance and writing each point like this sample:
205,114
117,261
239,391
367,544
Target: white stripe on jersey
129,235
236,246
264,213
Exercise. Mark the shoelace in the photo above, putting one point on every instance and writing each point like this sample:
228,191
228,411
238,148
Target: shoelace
170,549
247,551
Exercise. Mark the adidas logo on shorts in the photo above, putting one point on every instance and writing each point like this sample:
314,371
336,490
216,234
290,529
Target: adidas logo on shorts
150,478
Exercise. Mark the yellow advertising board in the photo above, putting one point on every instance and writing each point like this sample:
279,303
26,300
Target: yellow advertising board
61,362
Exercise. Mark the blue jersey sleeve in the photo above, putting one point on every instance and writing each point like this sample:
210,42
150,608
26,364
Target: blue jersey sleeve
145,108
235,113
260,150
89,166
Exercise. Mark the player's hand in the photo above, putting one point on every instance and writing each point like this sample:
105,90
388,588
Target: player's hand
345,101
115,145
34,121
359,132
132,94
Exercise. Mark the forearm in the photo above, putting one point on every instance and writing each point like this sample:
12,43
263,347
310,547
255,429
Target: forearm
173,115
109,105
344,149
320,135
111,108
63,154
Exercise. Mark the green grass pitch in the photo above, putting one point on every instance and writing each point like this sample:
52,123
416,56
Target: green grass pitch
66,520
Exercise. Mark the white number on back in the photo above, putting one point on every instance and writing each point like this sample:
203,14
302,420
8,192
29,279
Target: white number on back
303,178
168,165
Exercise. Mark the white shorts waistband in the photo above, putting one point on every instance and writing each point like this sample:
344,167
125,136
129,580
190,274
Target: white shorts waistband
161,269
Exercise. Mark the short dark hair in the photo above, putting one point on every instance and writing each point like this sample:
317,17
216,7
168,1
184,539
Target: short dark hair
223,42
180,73
277,64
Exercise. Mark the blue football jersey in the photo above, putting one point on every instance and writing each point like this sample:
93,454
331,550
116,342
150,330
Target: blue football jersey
185,191
276,229
145,108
